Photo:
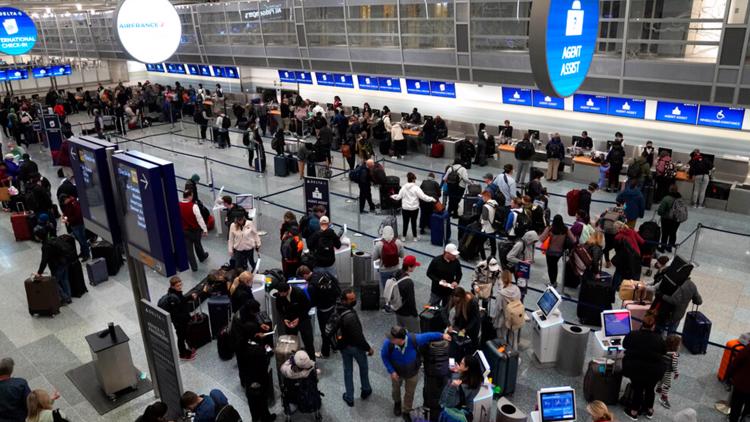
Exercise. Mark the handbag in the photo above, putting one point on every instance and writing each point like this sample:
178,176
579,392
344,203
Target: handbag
438,207
545,246
4,194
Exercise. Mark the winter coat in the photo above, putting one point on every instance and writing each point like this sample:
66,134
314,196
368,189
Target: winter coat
410,194
635,204
523,250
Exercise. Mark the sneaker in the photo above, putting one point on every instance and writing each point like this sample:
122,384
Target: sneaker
650,412
633,415
189,357
365,394
397,408
349,403
665,402
205,257
318,355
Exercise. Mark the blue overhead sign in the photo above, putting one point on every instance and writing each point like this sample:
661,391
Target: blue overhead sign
59,70
627,107
218,71
516,96
723,117
17,32
546,101
418,86
287,76
685,113
231,72
177,68
562,43
368,82
443,89
40,72
154,67
303,77
389,84
324,79
193,70
17,74
590,103
343,81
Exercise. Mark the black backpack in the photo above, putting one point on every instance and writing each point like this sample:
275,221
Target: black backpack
198,116
525,150
226,123
522,224
378,131
332,329
616,156
328,286
228,414
64,248
453,178
168,302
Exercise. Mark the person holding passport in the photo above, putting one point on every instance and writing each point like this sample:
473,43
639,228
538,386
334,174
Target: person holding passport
445,273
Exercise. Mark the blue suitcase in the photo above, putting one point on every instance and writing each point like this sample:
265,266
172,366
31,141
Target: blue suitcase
97,271
219,312
280,168
696,332
440,228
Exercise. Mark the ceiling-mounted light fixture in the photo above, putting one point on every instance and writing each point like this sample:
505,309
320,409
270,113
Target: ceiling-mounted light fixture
79,7
48,10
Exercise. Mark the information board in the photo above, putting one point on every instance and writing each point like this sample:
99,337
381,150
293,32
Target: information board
193,70
343,80
303,77
231,72
324,79
685,113
547,101
177,68
516,96
596,104
218,71
317,193
162,346
418,86
17,74
443,89
368,82
389,84
627,107
287,76
40,72
155,67
17,32
723,117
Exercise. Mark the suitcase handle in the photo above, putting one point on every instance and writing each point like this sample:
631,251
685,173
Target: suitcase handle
20,207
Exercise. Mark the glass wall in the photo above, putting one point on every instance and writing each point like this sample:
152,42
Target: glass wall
427,25
500,25
373,26
325,26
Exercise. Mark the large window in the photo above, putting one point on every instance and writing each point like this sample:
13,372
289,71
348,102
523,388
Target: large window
373,26
499,25
325,26
428,25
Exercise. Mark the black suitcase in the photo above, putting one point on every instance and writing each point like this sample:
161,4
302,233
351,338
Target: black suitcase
696,332
370,297
280,166
468,246
436,360
104,249
219,311
391,187
97,271
431,392
430,320
42,295
224,344
602,382
199,330
648,193
464,221
473,189
77,282
503,362
291,164
310,169
470,205
673,276
596,295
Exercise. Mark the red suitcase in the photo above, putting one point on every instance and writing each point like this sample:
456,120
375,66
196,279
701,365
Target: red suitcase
21,222
42,295
437,150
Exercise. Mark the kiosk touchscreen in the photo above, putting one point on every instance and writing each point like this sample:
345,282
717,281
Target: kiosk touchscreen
616,325
547,326
548,302
556,404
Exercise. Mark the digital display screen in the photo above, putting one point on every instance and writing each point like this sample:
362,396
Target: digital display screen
516,96
58,70
303,77
68,69
368,82
17,74
557,406
616,324
155,67
3,75
443,89
92,188
418,86
287,76
193,70
596,104
204,69
135,219
177,68
627,107
723,117
40,72
389,84
231,72
218,71
677,112
343,81
324,79
546,101
547,302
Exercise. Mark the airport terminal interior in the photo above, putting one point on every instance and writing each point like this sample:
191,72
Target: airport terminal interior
116,85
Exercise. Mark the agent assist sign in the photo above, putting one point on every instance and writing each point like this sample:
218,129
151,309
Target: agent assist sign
562,43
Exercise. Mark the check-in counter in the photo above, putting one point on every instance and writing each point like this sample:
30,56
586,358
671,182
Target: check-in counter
449,147
585,170
413,138
739,199
505,155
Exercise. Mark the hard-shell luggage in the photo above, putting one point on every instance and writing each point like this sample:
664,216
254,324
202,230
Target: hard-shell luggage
259,162
224,344
503,362
219,311
436,363
733,348
280,167
464,221
369,297
291,164
21,220
430,320
596,295
104,249
673,276
471,203
469,244
286,346
602,382
440,229
696,332
431,393
76,280
572,199
638,309
199,330
42,295
97,271
437,150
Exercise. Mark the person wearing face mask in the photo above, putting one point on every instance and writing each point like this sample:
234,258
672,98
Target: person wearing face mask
354,347
294,312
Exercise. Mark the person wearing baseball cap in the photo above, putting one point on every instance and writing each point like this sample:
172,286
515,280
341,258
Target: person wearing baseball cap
323,244
406,314
445,273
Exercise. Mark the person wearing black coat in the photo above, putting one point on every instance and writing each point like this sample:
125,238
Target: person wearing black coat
431,188
644,365
294,312
354,347
407,315
461,316
429,132
324,291
179,307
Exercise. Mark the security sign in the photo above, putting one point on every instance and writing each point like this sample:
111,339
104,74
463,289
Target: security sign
562,43
18,33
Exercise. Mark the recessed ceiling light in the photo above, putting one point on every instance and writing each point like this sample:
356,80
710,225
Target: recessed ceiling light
79,7
48,10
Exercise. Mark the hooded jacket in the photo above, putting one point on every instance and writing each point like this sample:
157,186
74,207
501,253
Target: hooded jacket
523,249
681,298
635,204
488,216
377,250
409,195
501,297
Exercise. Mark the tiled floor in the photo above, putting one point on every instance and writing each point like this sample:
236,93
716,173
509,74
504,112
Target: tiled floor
45,348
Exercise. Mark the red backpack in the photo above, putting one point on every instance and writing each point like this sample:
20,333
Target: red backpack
573,198
389,254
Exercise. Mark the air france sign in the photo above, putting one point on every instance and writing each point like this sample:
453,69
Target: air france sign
562,44
149,30
18,33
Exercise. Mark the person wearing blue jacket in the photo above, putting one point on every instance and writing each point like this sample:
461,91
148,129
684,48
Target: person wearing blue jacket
204,407
402,360
635,204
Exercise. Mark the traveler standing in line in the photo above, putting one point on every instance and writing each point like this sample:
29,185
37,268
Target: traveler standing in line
615,158
502,294
644,365
324,291
193,228
486,219
635,203
665,175
461,316
398,140
294,311
456,178
584,200
285,114
40,407
407,315
13,393
243,242
388,250
410,195
354,347
524,154
738,375
678,302
506,184
669,223
555,154
323,245
402,361
560,239
203,119
700,170
606,223
364,182
444,273
431,188
71,215
178,307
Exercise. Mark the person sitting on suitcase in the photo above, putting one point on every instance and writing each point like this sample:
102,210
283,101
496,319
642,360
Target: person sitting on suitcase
205,408
445,273
294,311
644,364
179,309
402,359
677,304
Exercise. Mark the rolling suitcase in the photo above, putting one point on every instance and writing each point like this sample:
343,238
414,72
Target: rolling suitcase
470,205
21,222
104,249
286,346
596,295
370,297
97,271
431,321
602,382
638,309
224,344
77,282
431,393
464,221
42,295
219,310
733,348
440,229
199,330
280,166
437,150
469,244
391,187
503,362
260,163
696,332
291,164
436,361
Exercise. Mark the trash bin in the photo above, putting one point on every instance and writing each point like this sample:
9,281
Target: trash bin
571,353
507,412
362,268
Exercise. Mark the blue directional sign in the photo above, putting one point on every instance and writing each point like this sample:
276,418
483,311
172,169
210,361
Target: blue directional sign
218,71
177,68
3,75
231,72
193,70
389,84
155,67
17,32
151,215
723,117
443,89
418,86
590,103
324,79
368,82
516,96
17,74
677,112
287,76
627,107
562,44
40,72
68,69
547,101
303,77
59,70
204,69
343,80
88,159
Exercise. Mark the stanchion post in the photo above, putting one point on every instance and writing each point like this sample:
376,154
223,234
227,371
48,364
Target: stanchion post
445,231
205,165
349,200
258,223
343,159
359,221
695,243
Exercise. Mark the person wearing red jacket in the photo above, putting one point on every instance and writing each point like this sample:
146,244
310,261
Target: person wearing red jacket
625,233
72,217
738,375
193,228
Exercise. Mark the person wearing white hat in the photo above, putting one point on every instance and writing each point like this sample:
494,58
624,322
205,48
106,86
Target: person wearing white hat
323,245
445,273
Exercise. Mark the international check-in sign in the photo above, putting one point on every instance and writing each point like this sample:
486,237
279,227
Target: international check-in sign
561,43
17,32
